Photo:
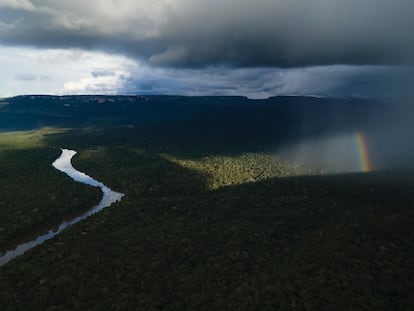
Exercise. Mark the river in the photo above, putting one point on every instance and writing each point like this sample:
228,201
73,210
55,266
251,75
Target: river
64,164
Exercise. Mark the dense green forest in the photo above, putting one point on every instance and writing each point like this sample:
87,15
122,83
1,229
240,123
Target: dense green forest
211,220
34,196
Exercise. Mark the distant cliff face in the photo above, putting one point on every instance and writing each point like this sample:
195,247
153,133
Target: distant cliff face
78,111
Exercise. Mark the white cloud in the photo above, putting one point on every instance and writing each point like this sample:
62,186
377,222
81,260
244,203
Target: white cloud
60,71
17,4
138,19
97,84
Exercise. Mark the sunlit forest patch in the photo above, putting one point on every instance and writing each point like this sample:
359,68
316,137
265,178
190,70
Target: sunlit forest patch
249,167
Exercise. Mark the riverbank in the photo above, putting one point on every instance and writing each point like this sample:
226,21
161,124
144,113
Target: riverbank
63,164
35,196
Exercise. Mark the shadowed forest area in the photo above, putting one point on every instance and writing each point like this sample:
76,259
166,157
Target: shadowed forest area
212,218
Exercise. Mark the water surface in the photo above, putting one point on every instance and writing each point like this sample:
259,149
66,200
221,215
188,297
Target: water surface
63,164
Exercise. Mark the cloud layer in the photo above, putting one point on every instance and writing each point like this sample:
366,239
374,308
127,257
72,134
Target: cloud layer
195,47
73,71
61,71
238,33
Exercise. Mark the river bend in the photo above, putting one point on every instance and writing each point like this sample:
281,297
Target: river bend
64,164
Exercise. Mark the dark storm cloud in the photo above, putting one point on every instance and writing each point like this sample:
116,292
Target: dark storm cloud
196,33
381,82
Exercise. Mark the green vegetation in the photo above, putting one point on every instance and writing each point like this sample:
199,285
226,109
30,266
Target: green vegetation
35,196
183,239
22,140
249,167
209,221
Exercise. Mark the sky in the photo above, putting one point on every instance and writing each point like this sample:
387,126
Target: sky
255,48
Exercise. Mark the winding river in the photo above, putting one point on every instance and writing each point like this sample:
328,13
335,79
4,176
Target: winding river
63,164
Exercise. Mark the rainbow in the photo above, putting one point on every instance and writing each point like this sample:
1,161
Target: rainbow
365,162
